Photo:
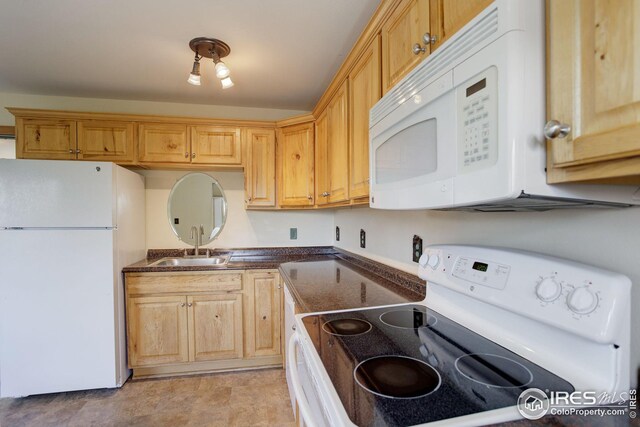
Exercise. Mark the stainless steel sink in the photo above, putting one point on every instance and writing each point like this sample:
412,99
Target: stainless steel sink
214,261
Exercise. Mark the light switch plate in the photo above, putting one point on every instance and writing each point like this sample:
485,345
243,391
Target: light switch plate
363,238
293,234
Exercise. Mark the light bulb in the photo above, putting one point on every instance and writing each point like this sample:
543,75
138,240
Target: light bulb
226,83
194,77
222,71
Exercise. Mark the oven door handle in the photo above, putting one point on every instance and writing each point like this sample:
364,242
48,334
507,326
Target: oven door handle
303,405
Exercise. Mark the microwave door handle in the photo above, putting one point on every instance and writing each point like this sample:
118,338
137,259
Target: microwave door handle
303,405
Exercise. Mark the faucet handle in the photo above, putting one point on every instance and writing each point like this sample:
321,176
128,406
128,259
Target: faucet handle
208,252
185,252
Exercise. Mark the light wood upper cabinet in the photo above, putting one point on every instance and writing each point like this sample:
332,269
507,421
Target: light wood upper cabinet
215,326
106,141
163,143
593,85
46,139
322,159
216,145
295,165
448,16
332,150
404,28
338,159
260,167
157,330
264,305
364,92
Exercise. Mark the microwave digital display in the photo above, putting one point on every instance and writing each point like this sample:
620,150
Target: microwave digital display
480,266
476,87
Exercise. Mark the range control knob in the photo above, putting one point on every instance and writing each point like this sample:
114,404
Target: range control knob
548,289
424,260
582,300
434,260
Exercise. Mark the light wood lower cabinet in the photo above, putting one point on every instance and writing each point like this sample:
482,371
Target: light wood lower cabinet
215,326
186,322
264,317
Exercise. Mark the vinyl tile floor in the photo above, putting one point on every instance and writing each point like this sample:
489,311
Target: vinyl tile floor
247,398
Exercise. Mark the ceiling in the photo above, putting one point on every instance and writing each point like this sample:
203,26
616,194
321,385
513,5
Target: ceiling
283,52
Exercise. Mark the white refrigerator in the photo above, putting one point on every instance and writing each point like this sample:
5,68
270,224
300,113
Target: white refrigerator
66,230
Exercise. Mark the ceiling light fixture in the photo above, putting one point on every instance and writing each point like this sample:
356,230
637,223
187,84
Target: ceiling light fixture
210,48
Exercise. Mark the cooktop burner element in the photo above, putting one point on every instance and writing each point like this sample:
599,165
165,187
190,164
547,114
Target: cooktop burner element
493,370
408,318
346,327
397,377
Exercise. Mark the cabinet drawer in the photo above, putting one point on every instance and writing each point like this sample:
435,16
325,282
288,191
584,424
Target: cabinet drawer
158,283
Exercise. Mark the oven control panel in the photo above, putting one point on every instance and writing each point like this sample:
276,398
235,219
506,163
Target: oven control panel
571,296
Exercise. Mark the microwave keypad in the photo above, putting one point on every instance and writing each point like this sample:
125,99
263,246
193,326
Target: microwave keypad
476,131
477,124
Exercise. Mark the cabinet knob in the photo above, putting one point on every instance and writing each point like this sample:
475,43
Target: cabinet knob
418,49
186,155
182,305
554,129
249,199
193,155
71,151
427,38
310,197
190,304
78,151
326,194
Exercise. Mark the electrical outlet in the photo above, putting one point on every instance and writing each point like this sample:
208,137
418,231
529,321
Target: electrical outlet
293,234
363,238
337,234
416,248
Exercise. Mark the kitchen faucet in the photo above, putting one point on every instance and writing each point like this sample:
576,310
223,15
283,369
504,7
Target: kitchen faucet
197,233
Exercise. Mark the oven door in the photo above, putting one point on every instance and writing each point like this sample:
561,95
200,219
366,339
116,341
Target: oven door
413,150
311,407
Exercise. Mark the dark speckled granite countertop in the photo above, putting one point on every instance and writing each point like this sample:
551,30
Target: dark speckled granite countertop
320,278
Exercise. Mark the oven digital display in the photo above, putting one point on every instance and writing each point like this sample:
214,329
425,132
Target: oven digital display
480,266
476,87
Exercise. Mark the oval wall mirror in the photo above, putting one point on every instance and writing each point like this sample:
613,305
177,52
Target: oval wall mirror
197,208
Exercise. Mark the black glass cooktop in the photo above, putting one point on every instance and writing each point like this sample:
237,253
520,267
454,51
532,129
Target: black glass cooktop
405,365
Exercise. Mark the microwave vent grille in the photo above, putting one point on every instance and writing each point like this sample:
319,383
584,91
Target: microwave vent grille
535,203
444,58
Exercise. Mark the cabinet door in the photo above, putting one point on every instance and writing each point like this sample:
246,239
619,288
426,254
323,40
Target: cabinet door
263,314
364,92
405,27
593,85
260,168
295,165
157,330
215,327
163,143
46,139
218,145
338,147
454,15
109,141
322,158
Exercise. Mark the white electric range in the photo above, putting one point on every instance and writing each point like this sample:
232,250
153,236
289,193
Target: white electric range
495,323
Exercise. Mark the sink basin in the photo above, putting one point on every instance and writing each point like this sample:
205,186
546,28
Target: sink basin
214,261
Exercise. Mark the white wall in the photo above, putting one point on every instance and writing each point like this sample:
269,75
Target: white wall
134,107
243,228
605,238
7,148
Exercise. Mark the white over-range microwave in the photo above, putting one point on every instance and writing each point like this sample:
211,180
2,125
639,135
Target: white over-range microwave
464,130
